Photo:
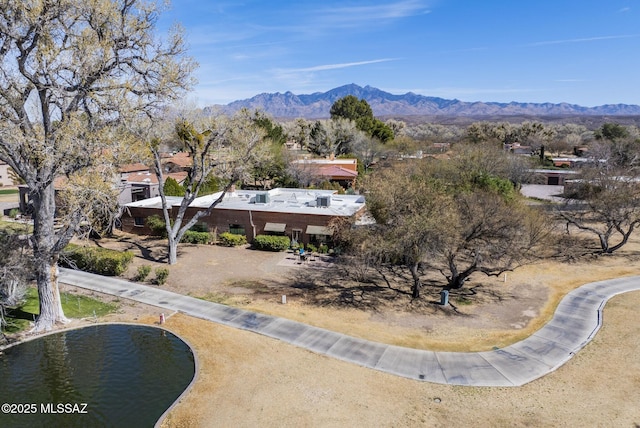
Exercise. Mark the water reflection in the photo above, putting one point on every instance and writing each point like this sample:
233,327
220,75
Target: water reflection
127,375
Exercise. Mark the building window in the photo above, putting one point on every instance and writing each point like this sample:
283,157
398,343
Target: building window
200,227
138,221
236,229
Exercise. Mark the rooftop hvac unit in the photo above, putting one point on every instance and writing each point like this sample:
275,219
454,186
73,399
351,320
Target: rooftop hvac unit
323,201
262,198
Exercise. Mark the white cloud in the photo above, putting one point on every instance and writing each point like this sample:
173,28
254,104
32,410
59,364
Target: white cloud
583,40
332,66
355,14
570,80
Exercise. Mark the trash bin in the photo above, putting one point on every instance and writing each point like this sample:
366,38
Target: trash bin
444,297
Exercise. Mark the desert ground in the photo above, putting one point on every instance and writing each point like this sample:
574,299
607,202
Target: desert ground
248,380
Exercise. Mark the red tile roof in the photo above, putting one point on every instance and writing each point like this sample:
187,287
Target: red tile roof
133,167
336,172
181,159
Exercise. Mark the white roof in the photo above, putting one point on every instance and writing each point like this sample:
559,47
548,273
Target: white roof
300,201
341,161
555,171
155,202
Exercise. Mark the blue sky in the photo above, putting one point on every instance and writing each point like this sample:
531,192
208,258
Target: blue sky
583,52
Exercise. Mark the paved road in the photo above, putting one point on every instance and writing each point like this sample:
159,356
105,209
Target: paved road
576,321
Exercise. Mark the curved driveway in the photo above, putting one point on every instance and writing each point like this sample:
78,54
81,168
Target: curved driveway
575,322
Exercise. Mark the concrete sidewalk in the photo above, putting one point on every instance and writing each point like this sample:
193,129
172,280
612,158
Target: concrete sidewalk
575,322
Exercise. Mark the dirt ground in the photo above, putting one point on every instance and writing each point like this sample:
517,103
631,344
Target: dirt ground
247,380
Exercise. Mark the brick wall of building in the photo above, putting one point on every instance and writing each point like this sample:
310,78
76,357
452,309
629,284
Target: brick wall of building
220,221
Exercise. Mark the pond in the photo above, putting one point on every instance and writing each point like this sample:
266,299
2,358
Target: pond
111,375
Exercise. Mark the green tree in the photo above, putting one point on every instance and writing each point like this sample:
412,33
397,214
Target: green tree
273,131
271,170
172,187
210,185
352,108
73,74
381,131
272,167
611,132
359,111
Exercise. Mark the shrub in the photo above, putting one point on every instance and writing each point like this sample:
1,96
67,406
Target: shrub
172,187
143,272
231,240
102,261
271,243
312,248
14,213
192,237
161,275
157,226
323,249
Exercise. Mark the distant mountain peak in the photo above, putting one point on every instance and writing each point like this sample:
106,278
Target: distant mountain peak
318,104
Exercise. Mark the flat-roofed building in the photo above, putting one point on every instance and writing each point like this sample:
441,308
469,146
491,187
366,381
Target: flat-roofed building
302,214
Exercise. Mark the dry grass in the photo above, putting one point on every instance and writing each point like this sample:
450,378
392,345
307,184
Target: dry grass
247,380
497,314
5,196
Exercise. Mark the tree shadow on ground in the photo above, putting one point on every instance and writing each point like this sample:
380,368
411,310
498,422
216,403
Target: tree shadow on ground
18,313
335,288
150,248
388,288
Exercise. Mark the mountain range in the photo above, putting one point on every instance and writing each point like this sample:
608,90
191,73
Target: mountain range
318,104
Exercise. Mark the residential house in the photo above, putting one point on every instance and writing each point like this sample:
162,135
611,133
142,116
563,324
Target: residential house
176,162
555,177
302,214
137,182
341,171
518,149
143,185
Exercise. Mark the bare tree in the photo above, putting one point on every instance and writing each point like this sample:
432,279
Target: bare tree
15,265
607,206
297,131
492,236
367,150
335,136
397,126
71,71
458,217
229,147
413,214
